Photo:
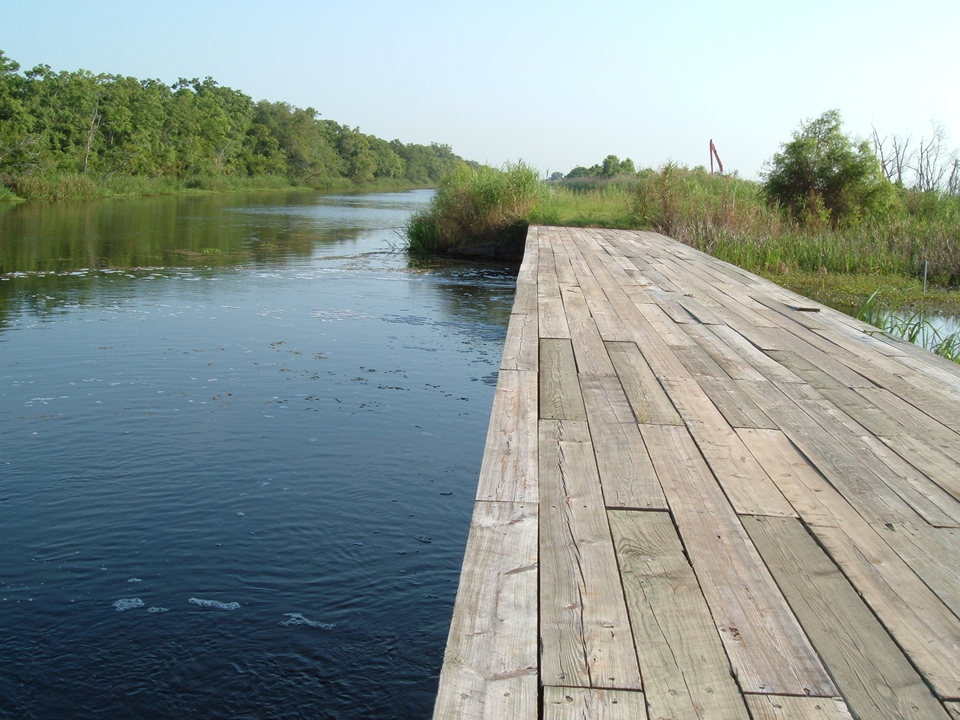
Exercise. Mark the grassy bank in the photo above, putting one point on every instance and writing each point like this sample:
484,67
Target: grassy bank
75,186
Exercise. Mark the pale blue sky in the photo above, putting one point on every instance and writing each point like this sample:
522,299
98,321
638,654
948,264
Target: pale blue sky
555,83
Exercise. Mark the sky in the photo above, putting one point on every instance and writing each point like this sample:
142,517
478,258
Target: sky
553,83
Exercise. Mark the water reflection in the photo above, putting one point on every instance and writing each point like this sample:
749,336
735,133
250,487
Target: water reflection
180,231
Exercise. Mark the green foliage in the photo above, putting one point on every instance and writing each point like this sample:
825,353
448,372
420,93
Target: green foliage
611,167
823,175
60,125
479,211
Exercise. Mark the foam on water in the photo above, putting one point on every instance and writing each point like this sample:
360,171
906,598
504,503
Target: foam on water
298,619
128,604
214,604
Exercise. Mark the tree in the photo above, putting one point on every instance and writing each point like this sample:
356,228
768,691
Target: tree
824,174
610,166
17,144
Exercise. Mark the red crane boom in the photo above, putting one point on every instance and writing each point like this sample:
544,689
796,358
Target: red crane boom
714,154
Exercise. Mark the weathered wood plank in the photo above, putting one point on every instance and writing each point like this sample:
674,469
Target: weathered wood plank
870,670
784,707
746,483
733,403
584,627
934,504
560,397
698,362
667,330
566,276
732,363
760,361
895,476
926,454
490,665
686,672
587,344
646,395
626,473
522,343
619,287
954,709
700,310
525,296
844,468
509,469
932,553
550,316
762,637
919,621
592,276
573,703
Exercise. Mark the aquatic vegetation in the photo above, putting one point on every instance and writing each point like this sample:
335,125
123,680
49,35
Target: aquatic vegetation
914,327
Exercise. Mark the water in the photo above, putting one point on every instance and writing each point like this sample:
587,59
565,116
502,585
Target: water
239,443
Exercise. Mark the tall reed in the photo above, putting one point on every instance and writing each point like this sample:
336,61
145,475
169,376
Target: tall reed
911,326
479,211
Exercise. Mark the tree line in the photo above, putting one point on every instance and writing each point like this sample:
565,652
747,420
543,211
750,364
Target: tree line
104,125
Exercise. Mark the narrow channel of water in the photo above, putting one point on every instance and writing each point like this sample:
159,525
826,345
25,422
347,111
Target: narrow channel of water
239,443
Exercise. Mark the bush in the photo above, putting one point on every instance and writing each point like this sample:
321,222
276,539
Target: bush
479,211
824,176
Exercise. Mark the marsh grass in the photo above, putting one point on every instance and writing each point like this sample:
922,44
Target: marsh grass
479,211
915,327
588,205
8,196
76,186
56,186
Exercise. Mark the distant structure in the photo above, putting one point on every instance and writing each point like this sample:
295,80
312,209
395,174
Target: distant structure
714,154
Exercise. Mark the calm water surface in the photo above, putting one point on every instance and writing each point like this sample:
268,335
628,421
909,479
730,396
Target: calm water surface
239,442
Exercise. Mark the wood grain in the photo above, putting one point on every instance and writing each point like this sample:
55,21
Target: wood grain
490,664
686,672
584,628
573,703
873,675
763,639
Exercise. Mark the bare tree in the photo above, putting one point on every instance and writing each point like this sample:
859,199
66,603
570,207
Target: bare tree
953,182
894,154
930,166
936,167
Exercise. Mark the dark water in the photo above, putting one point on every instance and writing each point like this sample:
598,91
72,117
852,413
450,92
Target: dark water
239,442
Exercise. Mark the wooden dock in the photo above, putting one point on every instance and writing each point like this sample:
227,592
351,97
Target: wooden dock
704,496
